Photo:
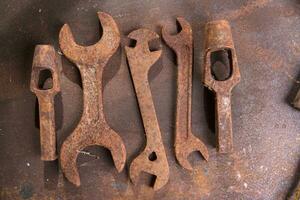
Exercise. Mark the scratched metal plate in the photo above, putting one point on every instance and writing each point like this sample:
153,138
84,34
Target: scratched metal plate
265,164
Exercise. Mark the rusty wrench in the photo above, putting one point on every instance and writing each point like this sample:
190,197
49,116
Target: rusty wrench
140,60
92,128
219,39
185,141
45,58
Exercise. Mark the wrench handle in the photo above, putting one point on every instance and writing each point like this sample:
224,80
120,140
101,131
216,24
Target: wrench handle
147,110
47,127
184,94
224,122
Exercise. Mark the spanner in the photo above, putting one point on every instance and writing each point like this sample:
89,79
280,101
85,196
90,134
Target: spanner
92,128
219,41
140,60
185,141
45,58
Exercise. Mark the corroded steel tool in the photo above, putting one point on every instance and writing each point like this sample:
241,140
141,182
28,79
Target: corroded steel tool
220,53
185,141
46,60
153,159
92,128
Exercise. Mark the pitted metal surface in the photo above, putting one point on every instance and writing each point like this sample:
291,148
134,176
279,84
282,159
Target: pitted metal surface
45,58
218,37
153,159
92,128
185,141
265,162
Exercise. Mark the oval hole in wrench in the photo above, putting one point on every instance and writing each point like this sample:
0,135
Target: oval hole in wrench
45,81
221,64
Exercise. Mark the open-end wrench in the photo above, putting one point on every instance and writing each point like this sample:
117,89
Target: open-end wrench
219,42
185,141
140,60
92,128
46,59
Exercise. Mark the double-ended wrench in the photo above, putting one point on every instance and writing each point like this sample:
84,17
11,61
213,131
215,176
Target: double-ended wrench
92,128
153,159
185,141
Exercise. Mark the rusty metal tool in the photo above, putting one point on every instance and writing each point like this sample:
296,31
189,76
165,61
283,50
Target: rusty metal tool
185,141
218,42
92,128
46,61
153,159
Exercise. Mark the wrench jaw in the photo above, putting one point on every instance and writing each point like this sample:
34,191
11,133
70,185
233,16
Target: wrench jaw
78,141
180,39
89,55
140,55
158,168
184,148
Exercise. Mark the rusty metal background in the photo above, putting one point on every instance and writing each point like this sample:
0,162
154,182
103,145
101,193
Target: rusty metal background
266,128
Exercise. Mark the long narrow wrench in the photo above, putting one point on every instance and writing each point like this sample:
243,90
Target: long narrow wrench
45,58
185,141
92,128
219,42
140,60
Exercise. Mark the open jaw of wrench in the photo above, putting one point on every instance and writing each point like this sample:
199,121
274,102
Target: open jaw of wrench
220,51
46,64
140,60
92,128
185,141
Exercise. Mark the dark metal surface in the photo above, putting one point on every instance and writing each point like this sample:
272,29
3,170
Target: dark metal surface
185,142
265,161
152,159
218,38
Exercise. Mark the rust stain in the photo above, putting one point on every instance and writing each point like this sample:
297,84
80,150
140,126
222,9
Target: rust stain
245,10
203,181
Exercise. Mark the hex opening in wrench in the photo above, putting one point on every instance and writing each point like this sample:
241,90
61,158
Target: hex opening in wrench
152,159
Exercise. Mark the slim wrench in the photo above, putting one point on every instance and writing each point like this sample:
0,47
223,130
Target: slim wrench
185,141
140,60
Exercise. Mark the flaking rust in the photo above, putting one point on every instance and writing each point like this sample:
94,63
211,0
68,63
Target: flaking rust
153,159
185,141
92,128
218,40
46,59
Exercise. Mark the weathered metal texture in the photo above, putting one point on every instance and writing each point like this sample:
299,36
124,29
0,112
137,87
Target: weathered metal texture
45,58
185,141
218,37
92,128
152,159
265,164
